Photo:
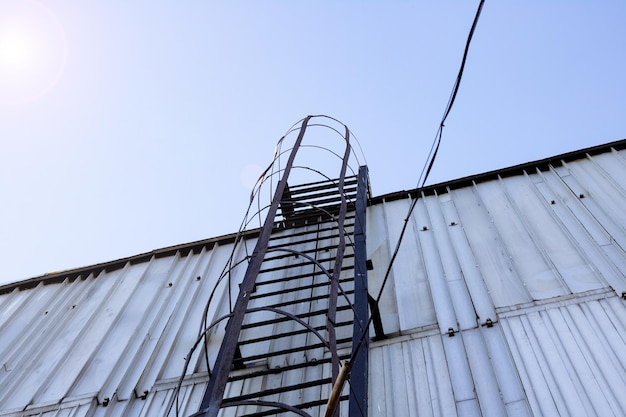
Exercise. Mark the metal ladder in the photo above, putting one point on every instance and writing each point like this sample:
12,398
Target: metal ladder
301,309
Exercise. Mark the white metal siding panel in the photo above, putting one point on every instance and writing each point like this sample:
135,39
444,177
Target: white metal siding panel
379,252
413,296
529,263
437,375
433,269
491,256
544,264
469,270
556,247
456,286
526,249
571,357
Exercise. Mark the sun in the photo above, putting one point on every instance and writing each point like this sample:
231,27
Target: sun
17,51
33,50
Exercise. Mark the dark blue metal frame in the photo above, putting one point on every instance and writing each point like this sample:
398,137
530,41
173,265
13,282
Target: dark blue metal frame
360,336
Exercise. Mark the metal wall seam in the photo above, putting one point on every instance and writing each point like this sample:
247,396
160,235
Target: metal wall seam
28,337
186,321
23,321
597,171
57,331
611,379
79,408
153,321
602,187
433,269
318,305
130,323
493,260
220,304
471,274
614,164
58,384
167,323
437,372
413,292
505,371
282,260
602,269
609,314
395,398
533,269
378,252
465,314
589,201
465,394
192,307
285,343
117,311
609,197
588,232
312,373
565,195
142,344
554,343
12,306
110,293
530,365
483,374
593,216
555,245
568,363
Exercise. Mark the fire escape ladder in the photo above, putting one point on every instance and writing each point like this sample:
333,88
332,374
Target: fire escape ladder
302,307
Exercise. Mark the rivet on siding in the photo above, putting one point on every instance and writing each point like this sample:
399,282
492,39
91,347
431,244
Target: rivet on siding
452,223
450,331
552,202
169,284
424,228
74,306
488,322
45,313
581,196
105,402
198,278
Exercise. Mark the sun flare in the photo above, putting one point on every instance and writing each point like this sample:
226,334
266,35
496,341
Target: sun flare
33,50
17,51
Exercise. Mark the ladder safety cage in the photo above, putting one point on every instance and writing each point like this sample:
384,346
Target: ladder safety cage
302,305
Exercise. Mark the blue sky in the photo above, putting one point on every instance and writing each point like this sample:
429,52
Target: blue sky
127,125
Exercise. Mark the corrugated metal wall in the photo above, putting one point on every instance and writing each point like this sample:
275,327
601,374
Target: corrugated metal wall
117,336
526,270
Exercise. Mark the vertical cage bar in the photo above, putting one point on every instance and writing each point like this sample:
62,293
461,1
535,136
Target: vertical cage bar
360,336
214,393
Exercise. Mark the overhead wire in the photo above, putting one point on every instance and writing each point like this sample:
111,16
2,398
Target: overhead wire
205,328
423,174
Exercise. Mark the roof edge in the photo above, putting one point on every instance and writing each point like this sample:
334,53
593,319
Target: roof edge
197,246
542,164
83,272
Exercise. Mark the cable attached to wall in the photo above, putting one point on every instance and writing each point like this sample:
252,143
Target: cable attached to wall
427,167
434,148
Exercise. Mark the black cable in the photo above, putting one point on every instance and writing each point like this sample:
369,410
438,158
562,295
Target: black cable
424,174
435,146
455,88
